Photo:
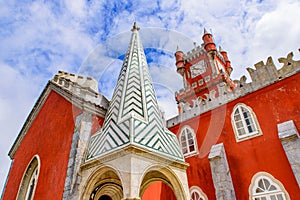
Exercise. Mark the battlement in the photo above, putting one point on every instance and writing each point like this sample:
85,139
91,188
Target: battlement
263,75
81,86
194,53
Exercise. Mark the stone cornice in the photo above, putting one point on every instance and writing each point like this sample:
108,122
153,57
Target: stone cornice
134,150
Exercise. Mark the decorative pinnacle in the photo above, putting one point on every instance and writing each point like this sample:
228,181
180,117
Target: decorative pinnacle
220,49
135,27
205,31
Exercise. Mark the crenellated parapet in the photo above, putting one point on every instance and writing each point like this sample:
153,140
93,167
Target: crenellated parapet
262,75
80,87
290,66
194,53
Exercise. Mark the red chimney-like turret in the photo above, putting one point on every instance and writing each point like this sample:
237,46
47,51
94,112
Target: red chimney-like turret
179,55
227,61
209,44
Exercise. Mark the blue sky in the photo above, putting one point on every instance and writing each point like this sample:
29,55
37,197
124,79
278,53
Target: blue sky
38,38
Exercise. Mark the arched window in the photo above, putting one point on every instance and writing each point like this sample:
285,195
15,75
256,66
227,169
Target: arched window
188,141
29,180
197,193
244,122
265,187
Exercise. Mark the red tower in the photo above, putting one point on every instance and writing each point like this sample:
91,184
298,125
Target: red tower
205,71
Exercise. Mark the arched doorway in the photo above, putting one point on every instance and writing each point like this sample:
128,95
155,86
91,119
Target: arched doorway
105,197
103,184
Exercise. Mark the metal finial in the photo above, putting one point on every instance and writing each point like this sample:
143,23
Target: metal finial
205,31
221,49
135,27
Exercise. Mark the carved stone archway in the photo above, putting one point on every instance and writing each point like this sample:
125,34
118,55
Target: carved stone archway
104,181
167,176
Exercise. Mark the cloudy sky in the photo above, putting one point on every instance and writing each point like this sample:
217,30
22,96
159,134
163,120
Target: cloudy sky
38,38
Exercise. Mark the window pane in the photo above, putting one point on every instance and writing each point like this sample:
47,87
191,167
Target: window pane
237,112
241,132
191,142
272,188
192,148
280,197
237,117
193,196
259,190
251,121
184,150
273,197
182,137
263,198
239,124
267,184
247,121
251,129
261,185
190,136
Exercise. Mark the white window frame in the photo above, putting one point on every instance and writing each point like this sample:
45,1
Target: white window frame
31,174
189,153
196,189
194,84
200,82
280,190
251,122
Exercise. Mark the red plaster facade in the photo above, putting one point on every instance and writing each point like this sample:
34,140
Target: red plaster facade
274,104
49,137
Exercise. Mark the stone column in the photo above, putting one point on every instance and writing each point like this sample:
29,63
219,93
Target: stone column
290,141
82,131
220,173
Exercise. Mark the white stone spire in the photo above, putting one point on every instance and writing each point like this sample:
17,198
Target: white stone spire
133,117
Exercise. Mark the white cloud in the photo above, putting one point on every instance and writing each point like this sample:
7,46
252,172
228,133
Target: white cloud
76,7
276,33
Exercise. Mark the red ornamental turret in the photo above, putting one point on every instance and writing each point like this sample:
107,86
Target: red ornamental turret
209,44
179,55
227,61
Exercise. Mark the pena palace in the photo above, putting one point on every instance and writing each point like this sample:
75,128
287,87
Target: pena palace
231,139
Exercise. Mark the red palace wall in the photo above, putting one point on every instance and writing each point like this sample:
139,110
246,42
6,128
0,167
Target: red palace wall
52,131
50,137
158,190
274,104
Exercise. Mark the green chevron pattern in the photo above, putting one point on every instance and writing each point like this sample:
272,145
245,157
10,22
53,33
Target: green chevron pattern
133,117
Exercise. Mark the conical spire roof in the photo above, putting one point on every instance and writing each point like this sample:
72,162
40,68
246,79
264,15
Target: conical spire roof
133,116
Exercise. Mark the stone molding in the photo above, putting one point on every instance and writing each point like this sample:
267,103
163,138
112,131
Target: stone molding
287,130
290,141
81,135
220,173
